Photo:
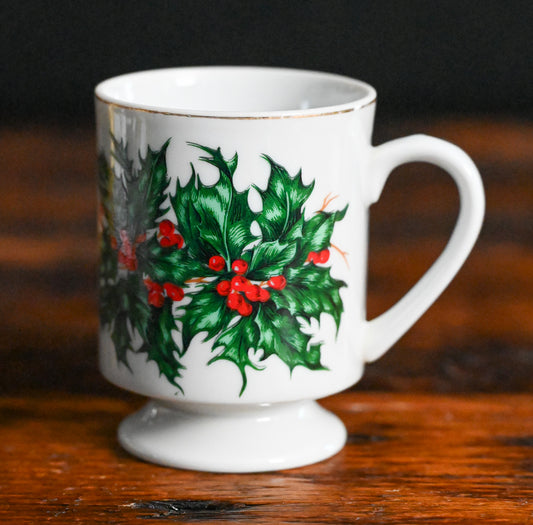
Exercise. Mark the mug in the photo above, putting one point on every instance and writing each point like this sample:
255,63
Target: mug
233,220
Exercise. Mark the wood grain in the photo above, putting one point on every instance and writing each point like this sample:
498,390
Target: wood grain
410,459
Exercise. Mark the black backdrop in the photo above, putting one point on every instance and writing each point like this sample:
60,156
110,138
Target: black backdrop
422,56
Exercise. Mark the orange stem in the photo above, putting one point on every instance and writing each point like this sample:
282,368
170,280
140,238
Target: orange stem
343,254
327,201
196,280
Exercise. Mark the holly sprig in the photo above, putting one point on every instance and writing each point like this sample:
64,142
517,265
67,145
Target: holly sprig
132,197
250,292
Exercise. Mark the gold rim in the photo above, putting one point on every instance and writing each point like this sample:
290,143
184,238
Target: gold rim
276,117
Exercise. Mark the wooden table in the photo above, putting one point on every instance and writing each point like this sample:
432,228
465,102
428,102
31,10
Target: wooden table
441,428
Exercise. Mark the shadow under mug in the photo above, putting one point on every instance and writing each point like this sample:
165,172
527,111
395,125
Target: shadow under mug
233,223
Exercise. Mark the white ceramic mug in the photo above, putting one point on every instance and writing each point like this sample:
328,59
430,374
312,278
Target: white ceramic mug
233,219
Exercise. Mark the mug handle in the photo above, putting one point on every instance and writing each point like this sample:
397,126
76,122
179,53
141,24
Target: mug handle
383,331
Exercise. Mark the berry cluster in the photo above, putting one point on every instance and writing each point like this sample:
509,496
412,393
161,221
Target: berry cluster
321,257
240,289
127,258
157,292
168,236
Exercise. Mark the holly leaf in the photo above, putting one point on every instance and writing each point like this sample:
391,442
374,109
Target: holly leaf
153,182
189,220
235,343
207,312
159,344
123,305
120,335
119,151
222,211
270,258
168,264
317,232
139,197
108,257
281,335
310,291
140,311
108,302
215,158
282,203
105,184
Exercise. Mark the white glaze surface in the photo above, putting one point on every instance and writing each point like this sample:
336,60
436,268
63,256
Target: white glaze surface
219,438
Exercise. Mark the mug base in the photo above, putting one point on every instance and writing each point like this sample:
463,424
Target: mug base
225,438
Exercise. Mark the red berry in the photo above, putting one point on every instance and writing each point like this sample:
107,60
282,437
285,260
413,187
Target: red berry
234,300
224,287
122,258
253,293
156,298
278,282
177,239
173,291
239,266
140,238
245,309
264,295
312,257
166,242
166,228
152,286
114,243
239,283
128,262
323,257
217,263
131,264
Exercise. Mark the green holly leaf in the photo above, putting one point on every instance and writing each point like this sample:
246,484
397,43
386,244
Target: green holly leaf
120,335
138,194
123,305
317,232
153,183
282,203
235,343
281,335
168,264
159,344
310,291
119,151
108,302
105,185
189,220
269,259
215,158
140,312
108,257
207,312
220,214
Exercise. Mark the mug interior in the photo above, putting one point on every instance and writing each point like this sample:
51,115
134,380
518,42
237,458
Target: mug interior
235,91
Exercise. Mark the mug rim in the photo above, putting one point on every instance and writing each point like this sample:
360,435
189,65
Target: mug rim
102,93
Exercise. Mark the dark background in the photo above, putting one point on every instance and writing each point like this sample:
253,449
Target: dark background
423,57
